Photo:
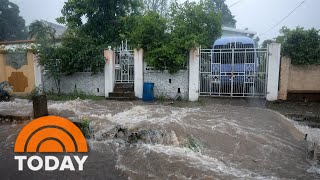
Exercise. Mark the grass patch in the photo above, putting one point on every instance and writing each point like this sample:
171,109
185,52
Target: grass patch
201,102
72,96
193,144
161,98
68,97
85,127
52,96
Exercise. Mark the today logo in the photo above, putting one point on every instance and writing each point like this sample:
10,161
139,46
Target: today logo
50,134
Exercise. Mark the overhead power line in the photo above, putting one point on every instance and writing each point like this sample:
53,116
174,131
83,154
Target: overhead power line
235,3
283,19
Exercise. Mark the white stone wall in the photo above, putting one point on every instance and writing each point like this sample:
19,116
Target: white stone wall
84,82
163,87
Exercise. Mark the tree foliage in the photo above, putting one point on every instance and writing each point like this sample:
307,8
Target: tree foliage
266,42
159,6
226,15
167,41
92,26
96,24
302,46
79,54
47,56
42,32
12,25
99,19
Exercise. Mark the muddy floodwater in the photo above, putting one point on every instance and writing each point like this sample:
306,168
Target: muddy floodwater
151,141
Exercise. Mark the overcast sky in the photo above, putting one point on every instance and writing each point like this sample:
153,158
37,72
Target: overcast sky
257,15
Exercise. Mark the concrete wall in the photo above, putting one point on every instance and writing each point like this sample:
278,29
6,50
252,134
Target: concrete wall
298,78
194,80
83,81
304,78
109,71
273,71
163,87
138,73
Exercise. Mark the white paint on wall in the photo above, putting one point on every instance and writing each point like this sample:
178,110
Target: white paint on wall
138,73
273,71
194,75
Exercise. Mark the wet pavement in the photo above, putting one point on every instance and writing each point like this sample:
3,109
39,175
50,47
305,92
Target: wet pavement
212,139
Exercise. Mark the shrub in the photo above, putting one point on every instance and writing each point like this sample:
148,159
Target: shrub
302,46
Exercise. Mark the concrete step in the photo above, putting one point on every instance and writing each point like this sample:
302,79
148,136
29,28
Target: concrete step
122,94
125,87
122,98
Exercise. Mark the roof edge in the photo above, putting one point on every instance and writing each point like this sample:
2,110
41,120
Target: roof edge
239,30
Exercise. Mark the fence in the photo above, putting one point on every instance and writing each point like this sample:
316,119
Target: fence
298,79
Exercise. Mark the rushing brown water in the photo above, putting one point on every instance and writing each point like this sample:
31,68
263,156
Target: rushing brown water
138,141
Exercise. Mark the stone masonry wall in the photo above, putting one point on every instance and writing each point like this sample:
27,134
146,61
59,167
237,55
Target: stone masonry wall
167,85
84,82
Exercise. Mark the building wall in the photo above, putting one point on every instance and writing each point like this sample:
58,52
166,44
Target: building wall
163,87
22,79
83,81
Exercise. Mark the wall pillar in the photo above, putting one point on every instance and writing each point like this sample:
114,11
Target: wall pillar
109,71
273,71
284,78
2,68
194,74
37,72
138,73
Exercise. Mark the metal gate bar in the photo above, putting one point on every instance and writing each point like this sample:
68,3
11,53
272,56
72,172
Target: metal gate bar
233,72
124,64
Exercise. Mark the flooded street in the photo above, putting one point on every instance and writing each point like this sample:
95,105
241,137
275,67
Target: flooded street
141,141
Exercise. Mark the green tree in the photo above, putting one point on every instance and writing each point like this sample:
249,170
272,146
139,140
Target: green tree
47,56
79,52
167,41
159,6
266,42
149,32
92,26
12,26
226,15
193,24
42,32
99,19
302,46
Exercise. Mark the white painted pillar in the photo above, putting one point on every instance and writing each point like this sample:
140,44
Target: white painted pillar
37,72
109,71
138,73
273,71
194,74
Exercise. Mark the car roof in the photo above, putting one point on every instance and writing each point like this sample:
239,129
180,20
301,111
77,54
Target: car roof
226,40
